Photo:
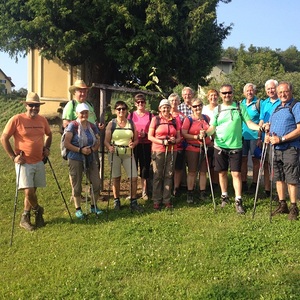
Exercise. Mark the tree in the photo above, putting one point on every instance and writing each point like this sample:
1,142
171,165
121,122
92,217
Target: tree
119,41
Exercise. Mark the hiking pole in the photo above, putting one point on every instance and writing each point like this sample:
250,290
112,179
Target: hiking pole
86,184
261,166
110,179
272,180
131,153
16,201
208,172
58,185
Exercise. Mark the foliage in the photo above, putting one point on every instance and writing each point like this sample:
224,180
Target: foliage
191,252
119,41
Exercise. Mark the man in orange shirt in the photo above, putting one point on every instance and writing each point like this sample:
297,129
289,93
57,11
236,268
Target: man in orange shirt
32,141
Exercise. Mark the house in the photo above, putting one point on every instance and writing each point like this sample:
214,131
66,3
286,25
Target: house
5,83
224,67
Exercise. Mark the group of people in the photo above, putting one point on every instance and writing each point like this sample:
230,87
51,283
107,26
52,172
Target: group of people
179,136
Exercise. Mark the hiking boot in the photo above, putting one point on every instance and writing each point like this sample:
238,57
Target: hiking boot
176,192
25,222
96,210
294,212
144,196
239,206
252,188
189,197
244,186
79,214
203,196
39,220
134,206
168,205
281,209
156,206
224,201
117,204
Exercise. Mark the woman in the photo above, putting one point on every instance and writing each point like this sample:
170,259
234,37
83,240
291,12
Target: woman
82,140
174,100
142,152
195,155
120,139
164,133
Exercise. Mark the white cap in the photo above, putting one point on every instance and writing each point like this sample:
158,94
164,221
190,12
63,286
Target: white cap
164,102
81,107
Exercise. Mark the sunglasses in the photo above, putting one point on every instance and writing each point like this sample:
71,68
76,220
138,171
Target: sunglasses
226,93
140,102
121,108
198,105
32,105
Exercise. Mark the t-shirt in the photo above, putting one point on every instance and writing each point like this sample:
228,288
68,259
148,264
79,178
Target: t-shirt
141,124
266,109
194,129
69,112
207,111
228,125
29,135
249,134
165,129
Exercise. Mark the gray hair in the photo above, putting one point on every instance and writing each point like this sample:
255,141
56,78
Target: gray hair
247,85
271,81
174,95
287,83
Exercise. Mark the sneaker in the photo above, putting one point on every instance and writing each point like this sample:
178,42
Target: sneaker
294,212
25,222
144,196
96,210
156,206
39,220
244,186
224,201
239,206
281,209
79,214
117,204
134,206
168,205
189,197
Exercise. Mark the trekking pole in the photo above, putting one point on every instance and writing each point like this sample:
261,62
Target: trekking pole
86,184
58,185
165,161
261,166
272,180
16,201
131,153
110,178
208,172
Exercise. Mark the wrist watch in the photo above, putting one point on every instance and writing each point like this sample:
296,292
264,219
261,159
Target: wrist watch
281,139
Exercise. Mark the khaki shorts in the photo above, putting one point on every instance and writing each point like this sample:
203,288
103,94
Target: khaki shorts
31,175
125,160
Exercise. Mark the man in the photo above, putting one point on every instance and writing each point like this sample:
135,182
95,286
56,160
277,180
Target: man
267,108
285,138
32,141
186,106
227,126
250,137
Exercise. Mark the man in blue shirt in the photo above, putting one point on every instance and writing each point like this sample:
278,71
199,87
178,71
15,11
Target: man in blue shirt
285,138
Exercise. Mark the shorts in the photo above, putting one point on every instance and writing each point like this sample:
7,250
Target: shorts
31,175
249,145
180,162
286,165
125,160
228,158
192,159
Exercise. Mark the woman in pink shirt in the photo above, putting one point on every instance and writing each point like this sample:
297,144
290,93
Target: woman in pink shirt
164,133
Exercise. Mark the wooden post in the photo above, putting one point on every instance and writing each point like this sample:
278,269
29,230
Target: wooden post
102,135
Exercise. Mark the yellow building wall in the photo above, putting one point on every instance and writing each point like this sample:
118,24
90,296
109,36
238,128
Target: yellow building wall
7,83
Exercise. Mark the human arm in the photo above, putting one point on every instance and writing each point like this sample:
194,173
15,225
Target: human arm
135,140
274,139
15,157
107,140
47,144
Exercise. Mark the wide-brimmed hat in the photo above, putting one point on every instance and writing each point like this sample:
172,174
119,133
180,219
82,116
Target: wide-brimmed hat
78,84
164,102
81,107
32,98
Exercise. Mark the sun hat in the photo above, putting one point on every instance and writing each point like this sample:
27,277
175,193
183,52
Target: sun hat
32,98
81,107
78,84
164,102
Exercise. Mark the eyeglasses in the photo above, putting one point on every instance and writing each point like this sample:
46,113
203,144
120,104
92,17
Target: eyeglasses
226,93
140,102
121,108
198,105
32,105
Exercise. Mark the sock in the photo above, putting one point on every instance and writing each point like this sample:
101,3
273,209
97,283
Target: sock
225,194
26,212
78,208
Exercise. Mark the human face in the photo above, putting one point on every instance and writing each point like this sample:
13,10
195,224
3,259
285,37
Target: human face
197,107
284,93
80,95
187,96
83,115
249,93
140,104
271,90
174,102
213,98
226,94
121,111
32,109
165,110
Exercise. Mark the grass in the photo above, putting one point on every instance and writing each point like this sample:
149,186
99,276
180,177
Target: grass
191,252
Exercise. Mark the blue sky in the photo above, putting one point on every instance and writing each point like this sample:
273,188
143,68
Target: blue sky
262,23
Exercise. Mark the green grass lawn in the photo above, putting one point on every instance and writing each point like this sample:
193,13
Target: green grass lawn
192,252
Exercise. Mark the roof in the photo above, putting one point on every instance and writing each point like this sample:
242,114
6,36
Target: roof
7,78
226,59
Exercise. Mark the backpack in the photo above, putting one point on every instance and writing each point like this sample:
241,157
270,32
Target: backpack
191,121
63,150
290,107
157,122
114,125
238,108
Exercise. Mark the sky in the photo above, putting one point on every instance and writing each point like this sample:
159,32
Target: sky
262,23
